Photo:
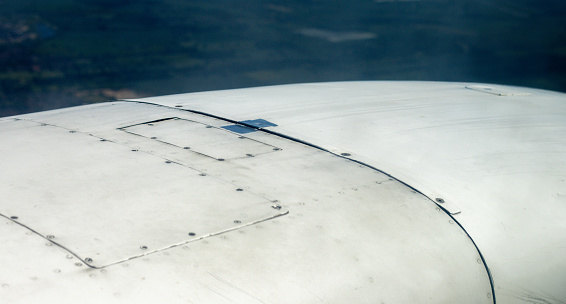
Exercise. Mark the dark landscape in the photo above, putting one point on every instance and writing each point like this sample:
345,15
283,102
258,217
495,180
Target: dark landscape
61,53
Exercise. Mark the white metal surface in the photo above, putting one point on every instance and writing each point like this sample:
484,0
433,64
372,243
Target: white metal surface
495,153
108,203
351,234
217,143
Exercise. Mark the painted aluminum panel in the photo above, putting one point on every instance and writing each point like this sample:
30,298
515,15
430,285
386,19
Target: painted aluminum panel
352,233
121,203
205,139
498,158
498,90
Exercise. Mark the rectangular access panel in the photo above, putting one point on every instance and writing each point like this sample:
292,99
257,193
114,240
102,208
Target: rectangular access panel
218,143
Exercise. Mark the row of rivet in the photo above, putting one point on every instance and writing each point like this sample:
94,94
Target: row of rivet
143,247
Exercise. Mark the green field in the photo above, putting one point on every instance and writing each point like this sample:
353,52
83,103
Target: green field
67,52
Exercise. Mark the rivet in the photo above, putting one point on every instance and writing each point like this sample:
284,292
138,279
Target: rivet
134,150
167,161
489,295
208,127
186,148
103,139
479,261
192,234
150,125
153,137
72,131
78,264
439,200
220,159
14,217
143,247
237,222
276,149
451,221
43,125
250,155
48,244
241,137
69,256
92,275
50,237
178,106
345,154
239,189
202,174
57,270
88,260
276,207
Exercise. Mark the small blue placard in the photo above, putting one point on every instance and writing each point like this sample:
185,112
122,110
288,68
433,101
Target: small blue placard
248,126
258,123
239,129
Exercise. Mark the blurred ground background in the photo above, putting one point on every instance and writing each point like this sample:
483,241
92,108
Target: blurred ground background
60,53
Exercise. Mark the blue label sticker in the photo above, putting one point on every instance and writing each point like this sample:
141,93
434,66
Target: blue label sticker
258,123
239,129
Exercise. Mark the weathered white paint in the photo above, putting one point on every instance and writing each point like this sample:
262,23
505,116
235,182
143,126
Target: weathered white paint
496,153
351,234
